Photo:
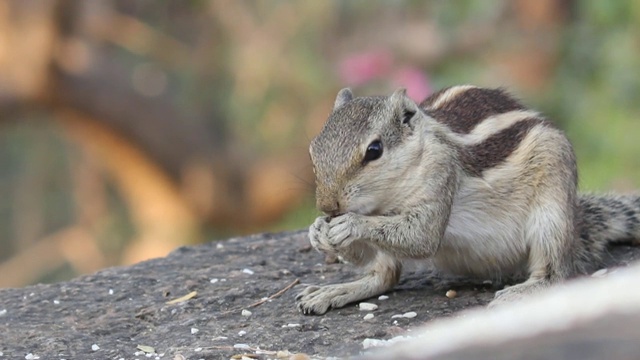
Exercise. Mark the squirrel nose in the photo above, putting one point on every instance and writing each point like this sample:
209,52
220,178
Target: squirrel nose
334,213
331,208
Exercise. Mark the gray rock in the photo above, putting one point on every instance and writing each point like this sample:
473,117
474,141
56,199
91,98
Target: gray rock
120,308
586,319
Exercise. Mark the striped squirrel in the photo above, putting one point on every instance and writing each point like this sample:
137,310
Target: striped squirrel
469,178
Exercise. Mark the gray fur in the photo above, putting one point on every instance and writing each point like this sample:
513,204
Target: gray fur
485,197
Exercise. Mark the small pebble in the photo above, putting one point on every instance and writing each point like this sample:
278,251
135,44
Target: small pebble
246,313
198,349
31,356
600,273
219,246
487,282
241,346
248,271
451,294
3,312
293,325
110,291
383,297
213,281
368,317
95,347
365,306
57,302
242,333
194,331
370,343
409,315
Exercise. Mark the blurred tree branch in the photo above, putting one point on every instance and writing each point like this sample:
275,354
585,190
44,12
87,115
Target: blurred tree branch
175,174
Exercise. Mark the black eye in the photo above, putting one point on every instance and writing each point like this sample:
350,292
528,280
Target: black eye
374,151
407,115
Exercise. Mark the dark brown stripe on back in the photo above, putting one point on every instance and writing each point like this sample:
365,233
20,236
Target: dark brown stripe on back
428,102
462,113
496,148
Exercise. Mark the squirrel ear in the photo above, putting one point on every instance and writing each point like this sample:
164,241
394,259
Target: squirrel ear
399,95
404,107
399,99
345,95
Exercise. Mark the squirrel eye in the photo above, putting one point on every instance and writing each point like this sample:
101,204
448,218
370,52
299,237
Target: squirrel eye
374,151
407,115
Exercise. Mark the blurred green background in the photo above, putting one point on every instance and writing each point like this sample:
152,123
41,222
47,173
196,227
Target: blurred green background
128,128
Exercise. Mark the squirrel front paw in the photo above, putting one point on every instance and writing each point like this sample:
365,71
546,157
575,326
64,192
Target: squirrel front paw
330,235
319,235
345,229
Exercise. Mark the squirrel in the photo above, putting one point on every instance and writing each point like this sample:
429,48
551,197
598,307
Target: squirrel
469,178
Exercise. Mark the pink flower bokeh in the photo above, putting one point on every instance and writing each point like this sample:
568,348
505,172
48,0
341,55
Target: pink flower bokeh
361,68
414,80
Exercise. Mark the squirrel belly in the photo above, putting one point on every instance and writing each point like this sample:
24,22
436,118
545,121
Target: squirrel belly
482,237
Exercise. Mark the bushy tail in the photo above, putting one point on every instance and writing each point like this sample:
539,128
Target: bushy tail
604,220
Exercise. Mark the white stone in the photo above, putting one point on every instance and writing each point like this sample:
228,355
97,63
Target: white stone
383,297
370,343
246,313
368,317
365,306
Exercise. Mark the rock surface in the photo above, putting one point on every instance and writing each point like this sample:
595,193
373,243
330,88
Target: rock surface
586,319
107,315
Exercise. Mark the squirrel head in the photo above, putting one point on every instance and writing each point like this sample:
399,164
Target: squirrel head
366,150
